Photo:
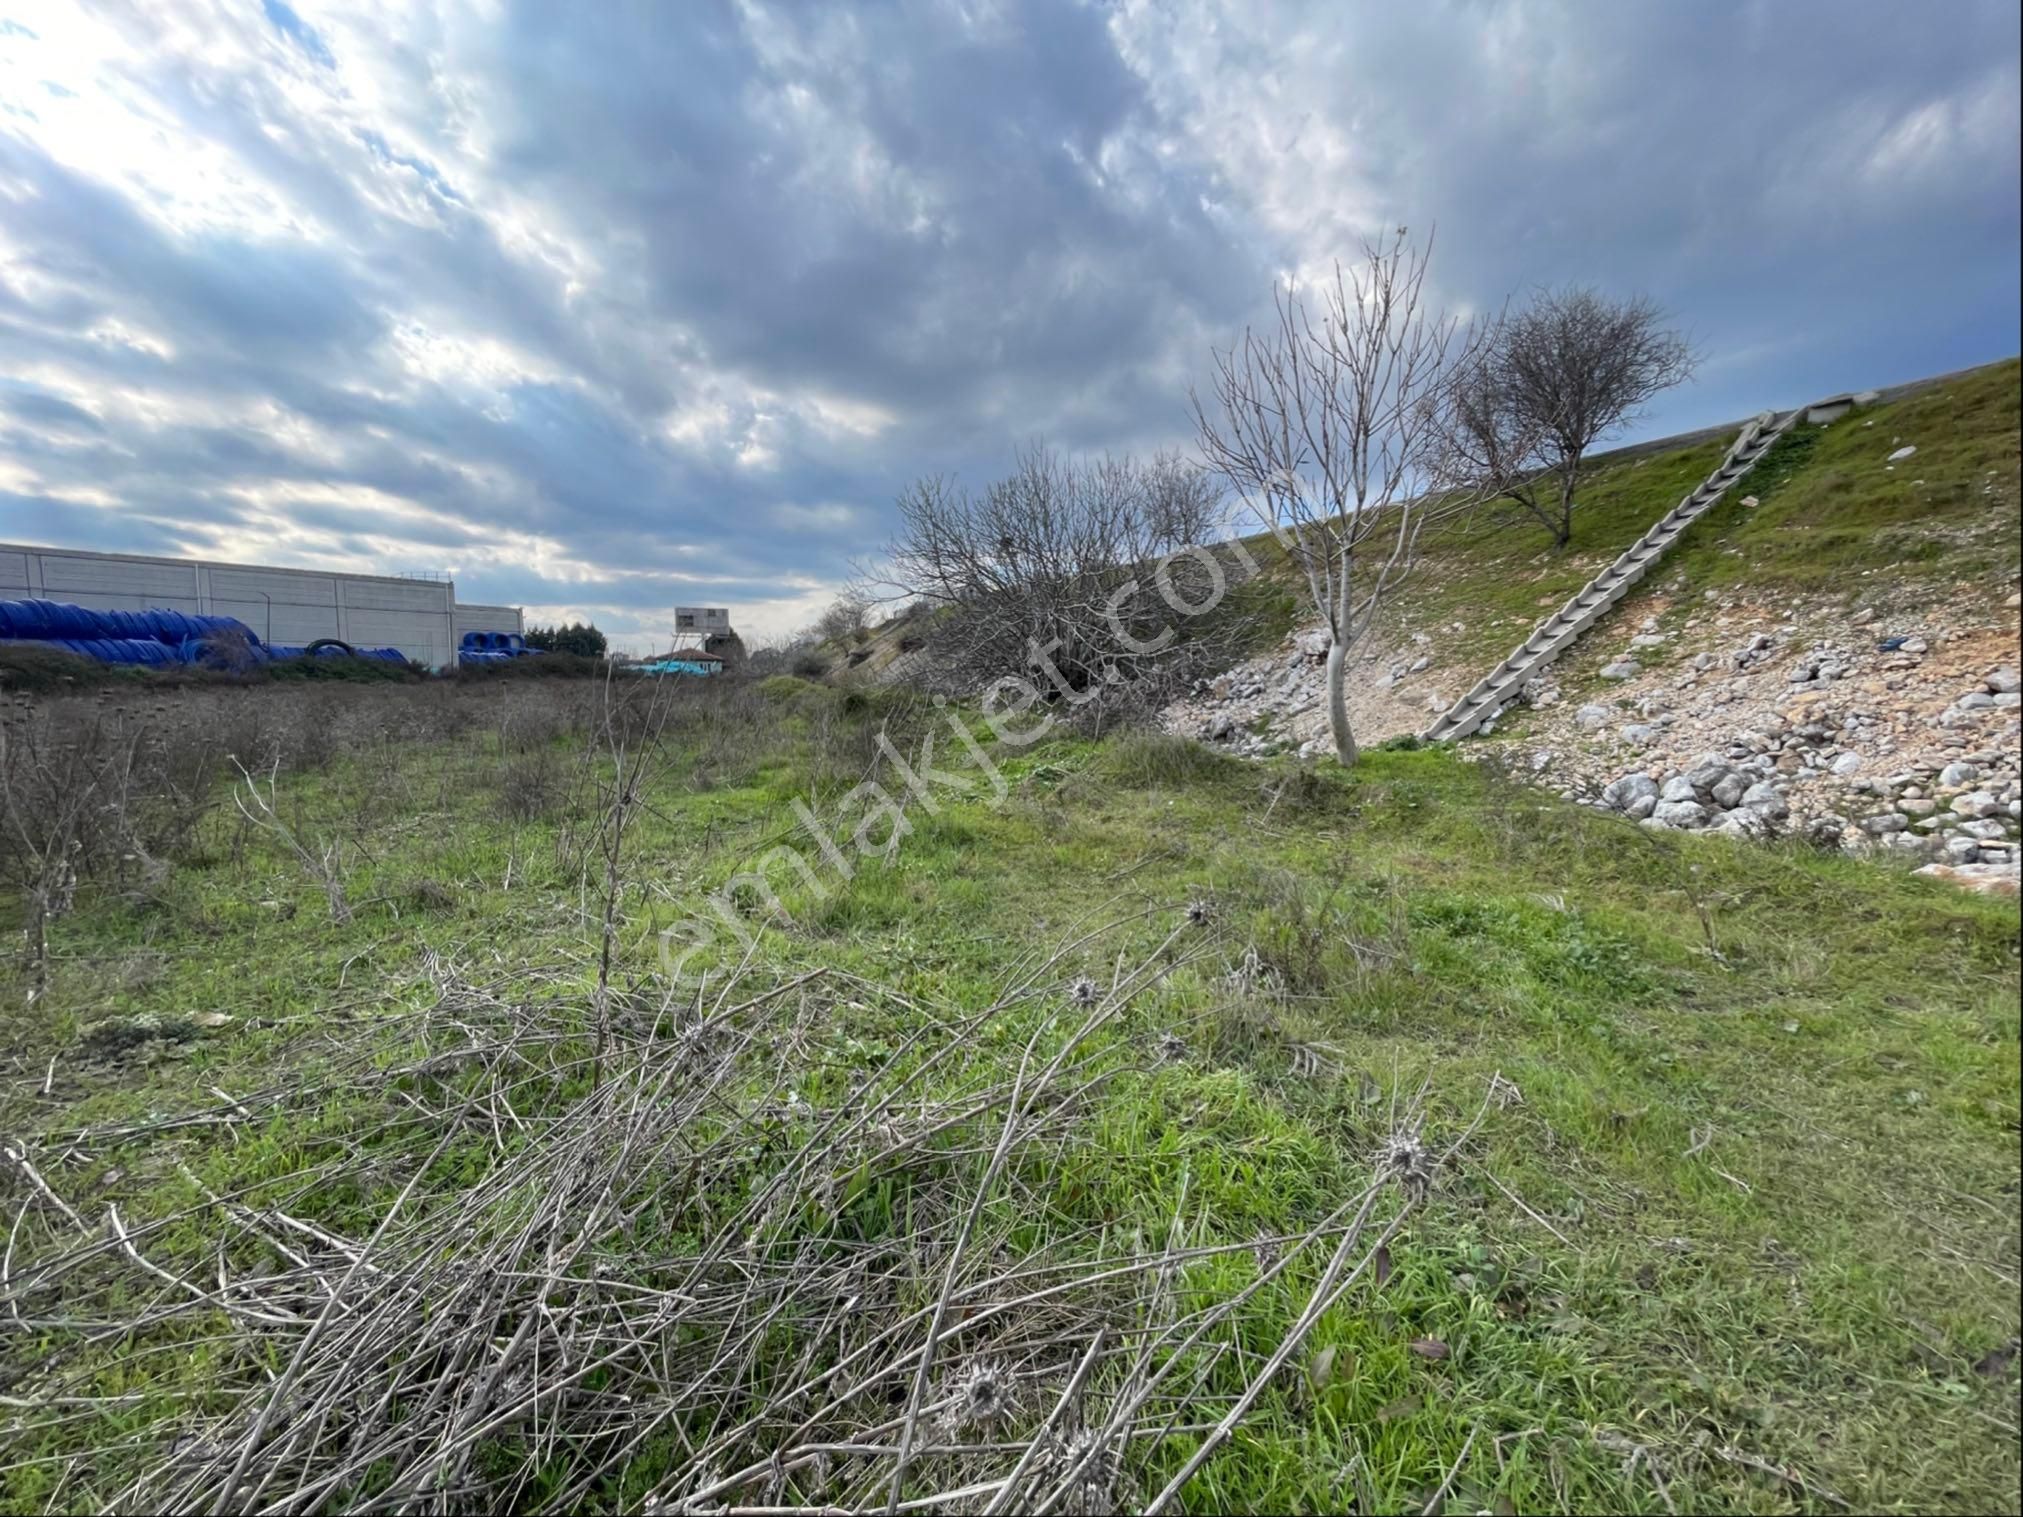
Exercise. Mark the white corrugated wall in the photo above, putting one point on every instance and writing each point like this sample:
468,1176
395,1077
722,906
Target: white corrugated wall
416,616
474,618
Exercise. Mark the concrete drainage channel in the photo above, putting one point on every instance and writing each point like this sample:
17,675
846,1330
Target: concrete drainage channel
1599,596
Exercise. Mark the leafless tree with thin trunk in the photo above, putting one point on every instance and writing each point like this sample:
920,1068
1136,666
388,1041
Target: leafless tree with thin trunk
1334,426
1571,368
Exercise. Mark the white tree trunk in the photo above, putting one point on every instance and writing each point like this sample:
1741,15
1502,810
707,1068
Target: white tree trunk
1338,706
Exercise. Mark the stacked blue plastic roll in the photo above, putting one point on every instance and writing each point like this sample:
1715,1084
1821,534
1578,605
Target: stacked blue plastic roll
154,637
61,622
492,647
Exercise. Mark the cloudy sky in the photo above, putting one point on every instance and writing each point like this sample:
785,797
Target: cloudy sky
611,307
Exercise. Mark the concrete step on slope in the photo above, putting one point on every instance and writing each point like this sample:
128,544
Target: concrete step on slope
1598,596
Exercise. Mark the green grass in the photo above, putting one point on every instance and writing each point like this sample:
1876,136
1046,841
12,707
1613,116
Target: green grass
1766,1148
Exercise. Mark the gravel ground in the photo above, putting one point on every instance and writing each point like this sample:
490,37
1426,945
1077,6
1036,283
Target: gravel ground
1854,728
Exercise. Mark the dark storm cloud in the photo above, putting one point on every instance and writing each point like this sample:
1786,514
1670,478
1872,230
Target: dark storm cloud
938,228
618,307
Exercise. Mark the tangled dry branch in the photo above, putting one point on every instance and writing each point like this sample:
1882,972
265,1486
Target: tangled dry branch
720,1275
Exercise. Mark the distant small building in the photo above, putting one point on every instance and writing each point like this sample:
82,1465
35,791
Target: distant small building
684,661
712,625
702,619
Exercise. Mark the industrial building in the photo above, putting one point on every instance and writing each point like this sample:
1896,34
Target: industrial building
418,615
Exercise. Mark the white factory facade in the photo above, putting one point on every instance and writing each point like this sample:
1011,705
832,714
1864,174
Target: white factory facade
420,616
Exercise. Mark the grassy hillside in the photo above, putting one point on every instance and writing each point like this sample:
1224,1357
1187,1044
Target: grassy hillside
1835,526
1734,1228
1833,516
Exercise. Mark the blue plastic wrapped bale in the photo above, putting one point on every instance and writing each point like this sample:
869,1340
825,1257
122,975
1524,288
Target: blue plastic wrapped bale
130,650
73,622
103,650
31,619
48,620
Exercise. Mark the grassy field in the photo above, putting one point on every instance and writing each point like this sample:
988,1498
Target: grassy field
395,1159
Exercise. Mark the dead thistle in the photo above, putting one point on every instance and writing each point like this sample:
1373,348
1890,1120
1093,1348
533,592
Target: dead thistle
1404,1157
979,1396
1088,1461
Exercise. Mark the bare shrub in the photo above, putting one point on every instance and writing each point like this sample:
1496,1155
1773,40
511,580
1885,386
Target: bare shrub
847,616
530,784
315,736
65,813
320,859
1076,575
529,728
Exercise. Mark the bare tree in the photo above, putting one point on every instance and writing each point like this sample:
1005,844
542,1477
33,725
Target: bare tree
1081,574
1491,438
847,615
1575,366
1335,427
